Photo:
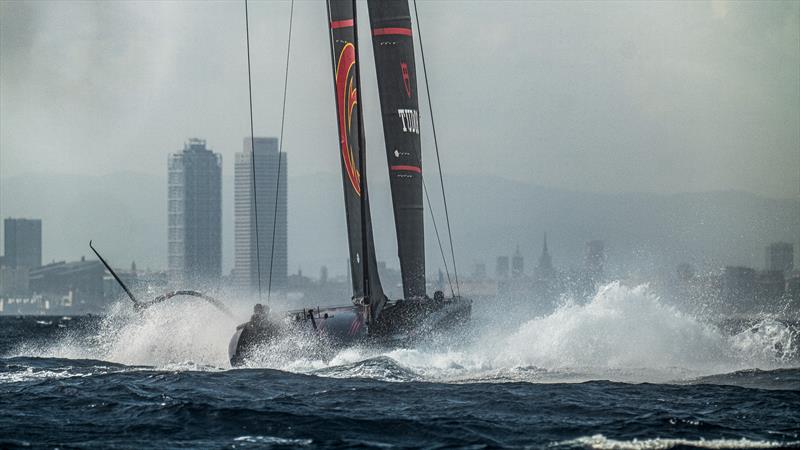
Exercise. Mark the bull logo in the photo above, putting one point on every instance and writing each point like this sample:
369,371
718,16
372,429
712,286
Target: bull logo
347,102
406,78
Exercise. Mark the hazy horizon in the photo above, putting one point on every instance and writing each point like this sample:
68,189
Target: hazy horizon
592,99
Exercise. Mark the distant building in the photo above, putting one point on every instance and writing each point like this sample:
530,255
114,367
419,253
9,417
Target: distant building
14,281
23,243
738,288
501,270
546,284
544,270
517,264
780,257
77,284
250,253
770,287
323,275
195,215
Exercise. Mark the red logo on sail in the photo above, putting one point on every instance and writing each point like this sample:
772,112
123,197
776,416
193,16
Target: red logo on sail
347,101
406,78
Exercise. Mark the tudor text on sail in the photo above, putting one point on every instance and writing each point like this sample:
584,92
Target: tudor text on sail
410,119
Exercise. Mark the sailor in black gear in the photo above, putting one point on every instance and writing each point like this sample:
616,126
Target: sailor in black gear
260,324
260,313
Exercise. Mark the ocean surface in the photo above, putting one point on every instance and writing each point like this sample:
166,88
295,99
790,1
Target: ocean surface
623,370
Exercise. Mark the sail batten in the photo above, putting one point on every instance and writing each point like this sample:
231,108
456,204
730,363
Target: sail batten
367,288
393,47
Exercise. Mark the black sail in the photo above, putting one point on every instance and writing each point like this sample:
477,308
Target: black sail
393,46
344,52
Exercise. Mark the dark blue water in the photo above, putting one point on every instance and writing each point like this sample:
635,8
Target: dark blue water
52,397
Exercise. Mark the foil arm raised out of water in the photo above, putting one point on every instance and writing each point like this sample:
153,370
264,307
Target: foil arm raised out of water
140,305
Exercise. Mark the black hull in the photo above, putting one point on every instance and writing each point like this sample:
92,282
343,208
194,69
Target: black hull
402,323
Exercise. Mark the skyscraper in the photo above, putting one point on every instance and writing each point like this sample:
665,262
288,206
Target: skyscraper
195,215
780,257
23,243
248,251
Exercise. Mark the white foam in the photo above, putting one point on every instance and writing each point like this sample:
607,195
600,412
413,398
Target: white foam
599,441
30,374
273,440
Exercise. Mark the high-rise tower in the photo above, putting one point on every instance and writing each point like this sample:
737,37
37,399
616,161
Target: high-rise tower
248,249
23,243
195,215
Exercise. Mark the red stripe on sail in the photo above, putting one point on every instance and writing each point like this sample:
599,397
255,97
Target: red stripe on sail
407,168
342,23
390,31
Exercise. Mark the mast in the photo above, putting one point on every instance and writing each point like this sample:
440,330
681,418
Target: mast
393,46
367,289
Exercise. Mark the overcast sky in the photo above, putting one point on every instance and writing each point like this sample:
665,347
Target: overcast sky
607,97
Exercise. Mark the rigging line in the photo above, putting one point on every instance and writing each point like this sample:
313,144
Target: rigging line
436,229
436,146
252,147
280,153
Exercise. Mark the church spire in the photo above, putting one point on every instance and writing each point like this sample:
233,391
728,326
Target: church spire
545,268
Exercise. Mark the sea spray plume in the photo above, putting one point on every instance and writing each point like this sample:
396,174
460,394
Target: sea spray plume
623,333
630,328
174,335
768,340
620,327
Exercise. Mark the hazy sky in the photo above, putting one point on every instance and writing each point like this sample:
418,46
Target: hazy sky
629,96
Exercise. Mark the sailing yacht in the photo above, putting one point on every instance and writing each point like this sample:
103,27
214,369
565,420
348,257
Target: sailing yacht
371,318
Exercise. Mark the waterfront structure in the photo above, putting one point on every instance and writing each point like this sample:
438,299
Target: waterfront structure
23,243
479,272
517,264
501,269
14,281
195,216
77,284
780,257
249,245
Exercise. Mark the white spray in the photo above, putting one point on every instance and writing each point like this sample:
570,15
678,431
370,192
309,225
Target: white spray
623,333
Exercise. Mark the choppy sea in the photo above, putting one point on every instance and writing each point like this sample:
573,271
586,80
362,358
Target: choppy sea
624,370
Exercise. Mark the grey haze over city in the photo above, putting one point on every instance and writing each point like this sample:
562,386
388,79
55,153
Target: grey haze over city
669,130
